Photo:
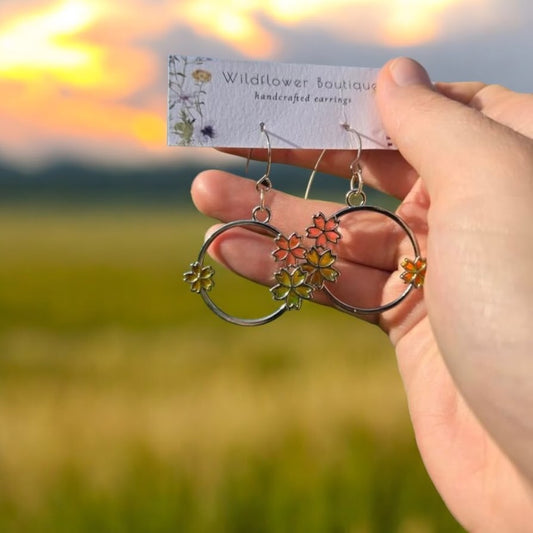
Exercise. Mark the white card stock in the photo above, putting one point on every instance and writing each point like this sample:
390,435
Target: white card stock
222,103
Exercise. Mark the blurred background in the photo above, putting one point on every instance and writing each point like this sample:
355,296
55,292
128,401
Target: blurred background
125,405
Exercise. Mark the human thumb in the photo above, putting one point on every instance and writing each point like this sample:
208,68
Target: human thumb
434,133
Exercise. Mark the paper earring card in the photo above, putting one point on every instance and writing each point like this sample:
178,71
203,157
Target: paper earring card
214,102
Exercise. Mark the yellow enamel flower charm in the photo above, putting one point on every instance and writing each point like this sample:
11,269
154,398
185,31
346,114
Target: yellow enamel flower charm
414,272
200,277
318,267
291,287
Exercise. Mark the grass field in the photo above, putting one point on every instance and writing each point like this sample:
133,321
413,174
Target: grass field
126,406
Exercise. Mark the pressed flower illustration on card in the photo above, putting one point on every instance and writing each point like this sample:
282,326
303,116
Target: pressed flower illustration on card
187,87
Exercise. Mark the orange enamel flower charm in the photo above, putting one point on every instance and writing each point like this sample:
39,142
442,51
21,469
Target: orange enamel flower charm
414,272
324,230
289,249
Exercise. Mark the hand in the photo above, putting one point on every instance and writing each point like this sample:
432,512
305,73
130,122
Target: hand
464,173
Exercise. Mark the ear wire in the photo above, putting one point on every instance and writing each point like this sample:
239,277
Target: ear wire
355,167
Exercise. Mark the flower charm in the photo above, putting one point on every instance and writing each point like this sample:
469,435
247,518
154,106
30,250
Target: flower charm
201,75
319,268
324,230
290,249
414,272
291,287
200,277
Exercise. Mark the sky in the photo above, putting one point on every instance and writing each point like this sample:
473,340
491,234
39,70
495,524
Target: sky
85,80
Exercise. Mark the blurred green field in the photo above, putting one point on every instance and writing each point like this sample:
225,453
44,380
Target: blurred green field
126,406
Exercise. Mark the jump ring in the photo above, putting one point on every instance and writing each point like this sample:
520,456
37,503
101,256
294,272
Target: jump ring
355,198
261,209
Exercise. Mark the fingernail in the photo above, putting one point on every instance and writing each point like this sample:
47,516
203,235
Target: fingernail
405,71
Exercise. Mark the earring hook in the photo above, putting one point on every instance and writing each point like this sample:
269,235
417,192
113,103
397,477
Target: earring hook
313,173
355,196
349,129
265,179
247,164
355,167
264,184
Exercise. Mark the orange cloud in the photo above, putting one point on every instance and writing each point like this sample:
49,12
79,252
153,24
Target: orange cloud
55,44
43,43
62,77
232,21
81,116
390,22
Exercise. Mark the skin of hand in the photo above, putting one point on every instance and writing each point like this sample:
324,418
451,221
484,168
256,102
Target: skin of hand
464,173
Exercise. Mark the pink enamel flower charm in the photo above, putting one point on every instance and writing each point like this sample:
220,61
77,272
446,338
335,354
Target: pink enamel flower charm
289,249
324,230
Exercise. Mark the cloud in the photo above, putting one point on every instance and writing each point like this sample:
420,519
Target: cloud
231,21
87,78
68,76
371,22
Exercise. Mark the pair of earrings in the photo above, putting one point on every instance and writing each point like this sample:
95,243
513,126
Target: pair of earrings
306,269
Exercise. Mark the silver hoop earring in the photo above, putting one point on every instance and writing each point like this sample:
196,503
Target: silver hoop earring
325,230
291,287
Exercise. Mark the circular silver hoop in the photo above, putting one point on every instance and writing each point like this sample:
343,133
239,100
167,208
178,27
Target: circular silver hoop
343,306
205,295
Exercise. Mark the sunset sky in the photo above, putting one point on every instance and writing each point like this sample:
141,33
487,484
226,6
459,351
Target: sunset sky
85,80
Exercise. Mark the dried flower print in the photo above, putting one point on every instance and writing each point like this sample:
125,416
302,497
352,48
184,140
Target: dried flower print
208,131
201,76
185,128
187,93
